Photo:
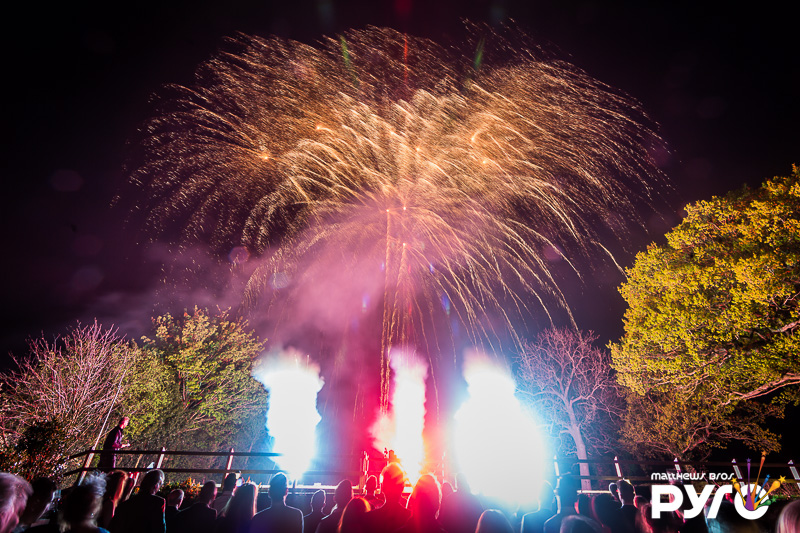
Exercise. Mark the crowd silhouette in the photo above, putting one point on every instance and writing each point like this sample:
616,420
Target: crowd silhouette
107,503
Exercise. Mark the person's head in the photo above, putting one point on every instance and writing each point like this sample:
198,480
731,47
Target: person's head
318,501
567,491
14,492
584,505
461,482
80,506
606,509
175,498
789,520
639,501
242,505
393,480
115,485
230,483
546,495
425,498
493,521
447,489
343,493
207,493
352,519
371,485
124,421
278,487
151,482
626,492
40,498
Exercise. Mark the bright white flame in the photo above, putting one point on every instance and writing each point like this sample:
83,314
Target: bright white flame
292,417
496,442
401,430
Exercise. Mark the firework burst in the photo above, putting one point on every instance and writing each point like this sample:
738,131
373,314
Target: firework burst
447,172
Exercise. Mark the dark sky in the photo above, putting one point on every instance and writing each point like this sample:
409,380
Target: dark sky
720,80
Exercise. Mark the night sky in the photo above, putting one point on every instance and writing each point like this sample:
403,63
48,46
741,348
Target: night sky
720,81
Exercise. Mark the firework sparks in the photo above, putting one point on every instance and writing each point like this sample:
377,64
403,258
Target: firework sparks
453,176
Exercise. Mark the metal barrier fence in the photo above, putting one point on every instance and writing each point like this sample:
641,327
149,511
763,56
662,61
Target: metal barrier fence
361,467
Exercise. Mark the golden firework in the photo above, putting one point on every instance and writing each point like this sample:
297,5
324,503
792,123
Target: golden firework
452,174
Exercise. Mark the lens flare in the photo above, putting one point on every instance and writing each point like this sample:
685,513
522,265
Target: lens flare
401,428
292,417
496,442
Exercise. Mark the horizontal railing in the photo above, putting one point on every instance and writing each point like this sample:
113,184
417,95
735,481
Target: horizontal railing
631,469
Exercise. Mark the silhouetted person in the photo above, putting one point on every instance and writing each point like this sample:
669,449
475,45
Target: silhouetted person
199,517
227,492
493,521
461,510
279,517
41,497
613,488
353,516
81,505
113,442
393,514
607,511
174,501
424,505
239,511
14,493
628,510
115,487
696,524
789,519
729,520
566,496
370,488
143,513
533,522
341,497
311,520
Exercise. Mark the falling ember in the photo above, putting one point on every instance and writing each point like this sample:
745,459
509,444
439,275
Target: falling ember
520,154
401,428
292,415
496,443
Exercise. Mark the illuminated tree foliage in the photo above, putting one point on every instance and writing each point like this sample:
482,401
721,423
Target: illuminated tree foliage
207,397
72,382
713,321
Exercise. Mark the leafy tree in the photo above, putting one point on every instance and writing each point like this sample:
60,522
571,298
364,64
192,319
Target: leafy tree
40,452
570,382
713,320
206,395
73,382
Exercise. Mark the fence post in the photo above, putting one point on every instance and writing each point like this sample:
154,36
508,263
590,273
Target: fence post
364,470
86,463
793,470
229,464
161,457
736,470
